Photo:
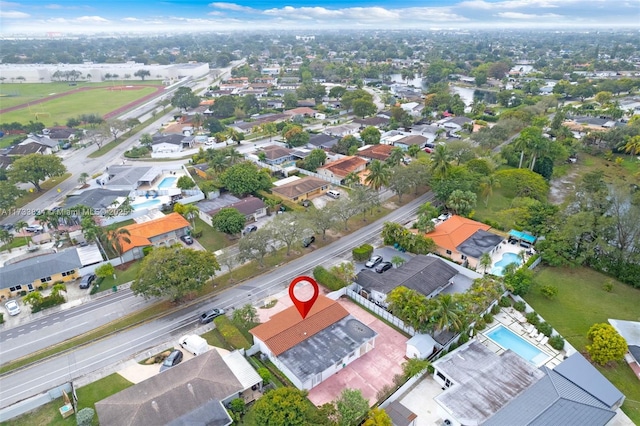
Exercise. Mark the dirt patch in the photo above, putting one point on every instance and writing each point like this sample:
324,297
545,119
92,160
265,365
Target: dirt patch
562,186
125,87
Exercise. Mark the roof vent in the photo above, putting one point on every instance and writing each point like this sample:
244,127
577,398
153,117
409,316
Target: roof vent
155,406
190,387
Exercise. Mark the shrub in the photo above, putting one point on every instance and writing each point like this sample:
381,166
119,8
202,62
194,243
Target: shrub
453,346
488,318
606,344
327,279
362,253
495,309
556,342
480,325
85,416
505,302
545,328
146,250
608,286
23,293
265,375
464,338
533,318
237,405
1,318
230,333
519,306
549,291
530,261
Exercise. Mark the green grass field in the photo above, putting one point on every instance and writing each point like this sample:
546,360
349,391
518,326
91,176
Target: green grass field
581,302
98,101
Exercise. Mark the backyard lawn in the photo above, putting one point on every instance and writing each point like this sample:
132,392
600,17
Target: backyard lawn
212,239
582,302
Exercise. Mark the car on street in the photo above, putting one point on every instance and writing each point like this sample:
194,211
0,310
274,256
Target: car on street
7,226
308,241
12,307
384,266
187,239
34,228
249,229
87,280
174,358
208,316
375,260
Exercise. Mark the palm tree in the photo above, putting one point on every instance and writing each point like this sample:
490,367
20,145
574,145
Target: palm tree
197,122
440,164
219,163
82,179
520,144
538,147
190,212
413,151
447,313
19,226
378,175
487,185
234,156
116,236
6,237
633,145
522,255
395,156
351,179
485,261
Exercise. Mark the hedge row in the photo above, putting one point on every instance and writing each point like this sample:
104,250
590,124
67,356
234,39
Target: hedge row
327,279
48,302
230,333
362,253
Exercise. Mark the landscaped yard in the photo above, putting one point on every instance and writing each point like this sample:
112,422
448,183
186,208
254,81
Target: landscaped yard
582,302
87,397
122,276
212,239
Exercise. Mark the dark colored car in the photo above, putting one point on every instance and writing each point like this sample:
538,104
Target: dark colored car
87,280
250,228
174,358
187,239
308,241
7,226
207,317
384,266
375,260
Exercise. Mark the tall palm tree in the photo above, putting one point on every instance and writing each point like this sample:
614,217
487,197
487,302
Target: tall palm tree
197,121
378,175
190,212
538,147
234,157
520,144
395,156
446,313
485,261
351,179
116,236
487,185
440,161
19,226
633,145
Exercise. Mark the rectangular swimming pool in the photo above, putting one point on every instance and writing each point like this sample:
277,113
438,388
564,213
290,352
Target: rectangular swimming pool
507,339
167,182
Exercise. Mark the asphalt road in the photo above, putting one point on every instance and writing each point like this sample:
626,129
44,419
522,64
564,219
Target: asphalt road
47,374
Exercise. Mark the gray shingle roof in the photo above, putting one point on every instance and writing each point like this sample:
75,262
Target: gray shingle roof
171,138
128,175
95,198
34,268
400,415
635,352
480,242
323,140
424,274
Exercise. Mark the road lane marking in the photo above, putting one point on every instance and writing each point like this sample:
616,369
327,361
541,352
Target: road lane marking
45,337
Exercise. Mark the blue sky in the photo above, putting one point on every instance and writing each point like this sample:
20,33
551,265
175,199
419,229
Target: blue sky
91,16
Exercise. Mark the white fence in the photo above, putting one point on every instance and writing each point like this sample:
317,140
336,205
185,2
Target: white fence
386,315
330,180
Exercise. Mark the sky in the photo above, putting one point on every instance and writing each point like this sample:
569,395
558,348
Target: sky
151,16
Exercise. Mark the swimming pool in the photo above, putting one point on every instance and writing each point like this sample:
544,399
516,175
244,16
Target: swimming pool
507,339
167,182
506,259
146,204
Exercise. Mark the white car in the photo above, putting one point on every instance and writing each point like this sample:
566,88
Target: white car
12,307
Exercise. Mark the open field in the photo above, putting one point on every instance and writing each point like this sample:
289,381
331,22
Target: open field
100,101
582,302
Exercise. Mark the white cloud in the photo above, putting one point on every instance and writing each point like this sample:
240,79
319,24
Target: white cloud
232,6
96,19
9,4
13,14
53,6
518,15
215,13
131,19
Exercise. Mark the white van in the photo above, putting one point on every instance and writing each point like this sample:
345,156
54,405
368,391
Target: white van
333,193
194,344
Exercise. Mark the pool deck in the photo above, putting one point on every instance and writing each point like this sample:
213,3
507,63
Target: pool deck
516,322
507,248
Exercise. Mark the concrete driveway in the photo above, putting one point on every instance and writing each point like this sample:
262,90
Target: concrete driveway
387,254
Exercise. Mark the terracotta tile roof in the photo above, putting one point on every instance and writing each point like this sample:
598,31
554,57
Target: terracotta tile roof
141,232
454,231
300,187
345,165
301,111
287,328
376,152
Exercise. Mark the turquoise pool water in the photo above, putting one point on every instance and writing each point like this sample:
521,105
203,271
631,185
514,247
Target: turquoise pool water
522,236
506,259
167,182
146,204
507,339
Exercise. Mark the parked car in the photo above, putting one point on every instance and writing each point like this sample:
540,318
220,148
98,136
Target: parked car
174,358
384,266
333,193
7,226
34,228
12,307
187,239
208,316
308,241
87,280
249,229
375,260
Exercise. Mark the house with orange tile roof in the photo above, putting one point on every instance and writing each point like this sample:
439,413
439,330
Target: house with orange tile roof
464,240
164,231
339,169
375,152
313,349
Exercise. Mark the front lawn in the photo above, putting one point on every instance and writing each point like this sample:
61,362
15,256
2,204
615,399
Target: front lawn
582,302
211,239
122,276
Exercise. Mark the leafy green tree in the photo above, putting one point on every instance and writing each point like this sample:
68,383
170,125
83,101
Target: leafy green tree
315,159
229,220
85,416
414,366
607,344
320,220
519,281
346,145
296,137
184,98
440,161
401,179
398,261
105,270
522,183
462,202
281,407
33,299
348,98
188,211
6,237
245,178
34,168
213,125
224,107
337,91
370,135
287,230
185,182
290,100
9,194
116,236
142,73
82,179
246,316
485,261
255,246
378,417
352,407
363,108
174,272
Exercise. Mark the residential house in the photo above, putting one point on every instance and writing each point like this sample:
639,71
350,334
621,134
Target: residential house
310,350
428,131
377,122
339,169
194,392
275,154
343,130
322,141
454,124
35,144
201,170
5,162
414,109
302,111
99,199
275,103
630,331
306,103
252,208
125,177
173,142
298,189
27,274
464,240
406,141
163,231
61,135
375,152
271,70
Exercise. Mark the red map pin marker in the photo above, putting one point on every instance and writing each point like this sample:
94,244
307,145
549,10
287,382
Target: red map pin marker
303,306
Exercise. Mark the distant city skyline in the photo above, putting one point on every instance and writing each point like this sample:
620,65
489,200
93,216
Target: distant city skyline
150,16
